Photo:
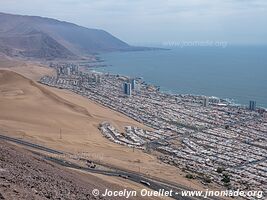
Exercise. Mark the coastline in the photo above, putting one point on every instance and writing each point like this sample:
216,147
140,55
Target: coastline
231,82
228,101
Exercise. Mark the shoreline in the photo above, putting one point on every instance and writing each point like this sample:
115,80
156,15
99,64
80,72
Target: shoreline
227,100
225,91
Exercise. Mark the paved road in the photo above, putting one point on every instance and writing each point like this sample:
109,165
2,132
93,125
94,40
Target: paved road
28,144
153,184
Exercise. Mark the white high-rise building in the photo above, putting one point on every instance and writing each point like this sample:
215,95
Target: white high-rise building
68,71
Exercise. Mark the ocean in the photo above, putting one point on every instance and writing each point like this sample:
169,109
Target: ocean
238,73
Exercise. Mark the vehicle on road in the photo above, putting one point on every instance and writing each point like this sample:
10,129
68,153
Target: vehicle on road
145,182
123,176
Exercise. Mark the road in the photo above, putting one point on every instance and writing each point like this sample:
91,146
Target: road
28,144
153,184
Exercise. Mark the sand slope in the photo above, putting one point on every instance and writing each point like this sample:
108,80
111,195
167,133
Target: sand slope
24,102
37,113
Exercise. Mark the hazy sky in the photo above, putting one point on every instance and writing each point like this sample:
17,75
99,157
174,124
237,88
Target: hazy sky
158,21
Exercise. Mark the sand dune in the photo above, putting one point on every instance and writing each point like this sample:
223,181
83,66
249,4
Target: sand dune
37,113
23,100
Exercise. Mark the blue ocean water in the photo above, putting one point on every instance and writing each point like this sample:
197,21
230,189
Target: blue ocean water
238,73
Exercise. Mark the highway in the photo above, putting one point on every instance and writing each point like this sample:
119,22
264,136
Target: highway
28,144
138,178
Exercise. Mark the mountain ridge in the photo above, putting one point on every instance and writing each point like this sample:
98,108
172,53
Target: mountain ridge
47,38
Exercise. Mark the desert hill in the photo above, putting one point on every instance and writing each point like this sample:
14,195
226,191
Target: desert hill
29,107
38,37
37,113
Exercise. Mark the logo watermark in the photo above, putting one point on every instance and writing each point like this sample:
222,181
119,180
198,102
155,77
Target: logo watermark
170,193
82,155
206,43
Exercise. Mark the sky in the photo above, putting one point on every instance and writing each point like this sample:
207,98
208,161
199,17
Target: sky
158,21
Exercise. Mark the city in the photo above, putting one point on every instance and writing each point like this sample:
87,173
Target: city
207,137
142,100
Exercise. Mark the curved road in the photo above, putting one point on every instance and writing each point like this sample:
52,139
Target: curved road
138,178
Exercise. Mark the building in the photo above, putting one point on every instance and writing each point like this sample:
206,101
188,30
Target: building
206,102
133,84
68,71
127,89
252,105
75,70
214,100
97,78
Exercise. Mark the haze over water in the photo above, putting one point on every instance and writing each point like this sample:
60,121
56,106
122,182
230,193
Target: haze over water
238,73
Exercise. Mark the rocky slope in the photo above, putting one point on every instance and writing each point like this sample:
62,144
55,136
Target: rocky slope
24,175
